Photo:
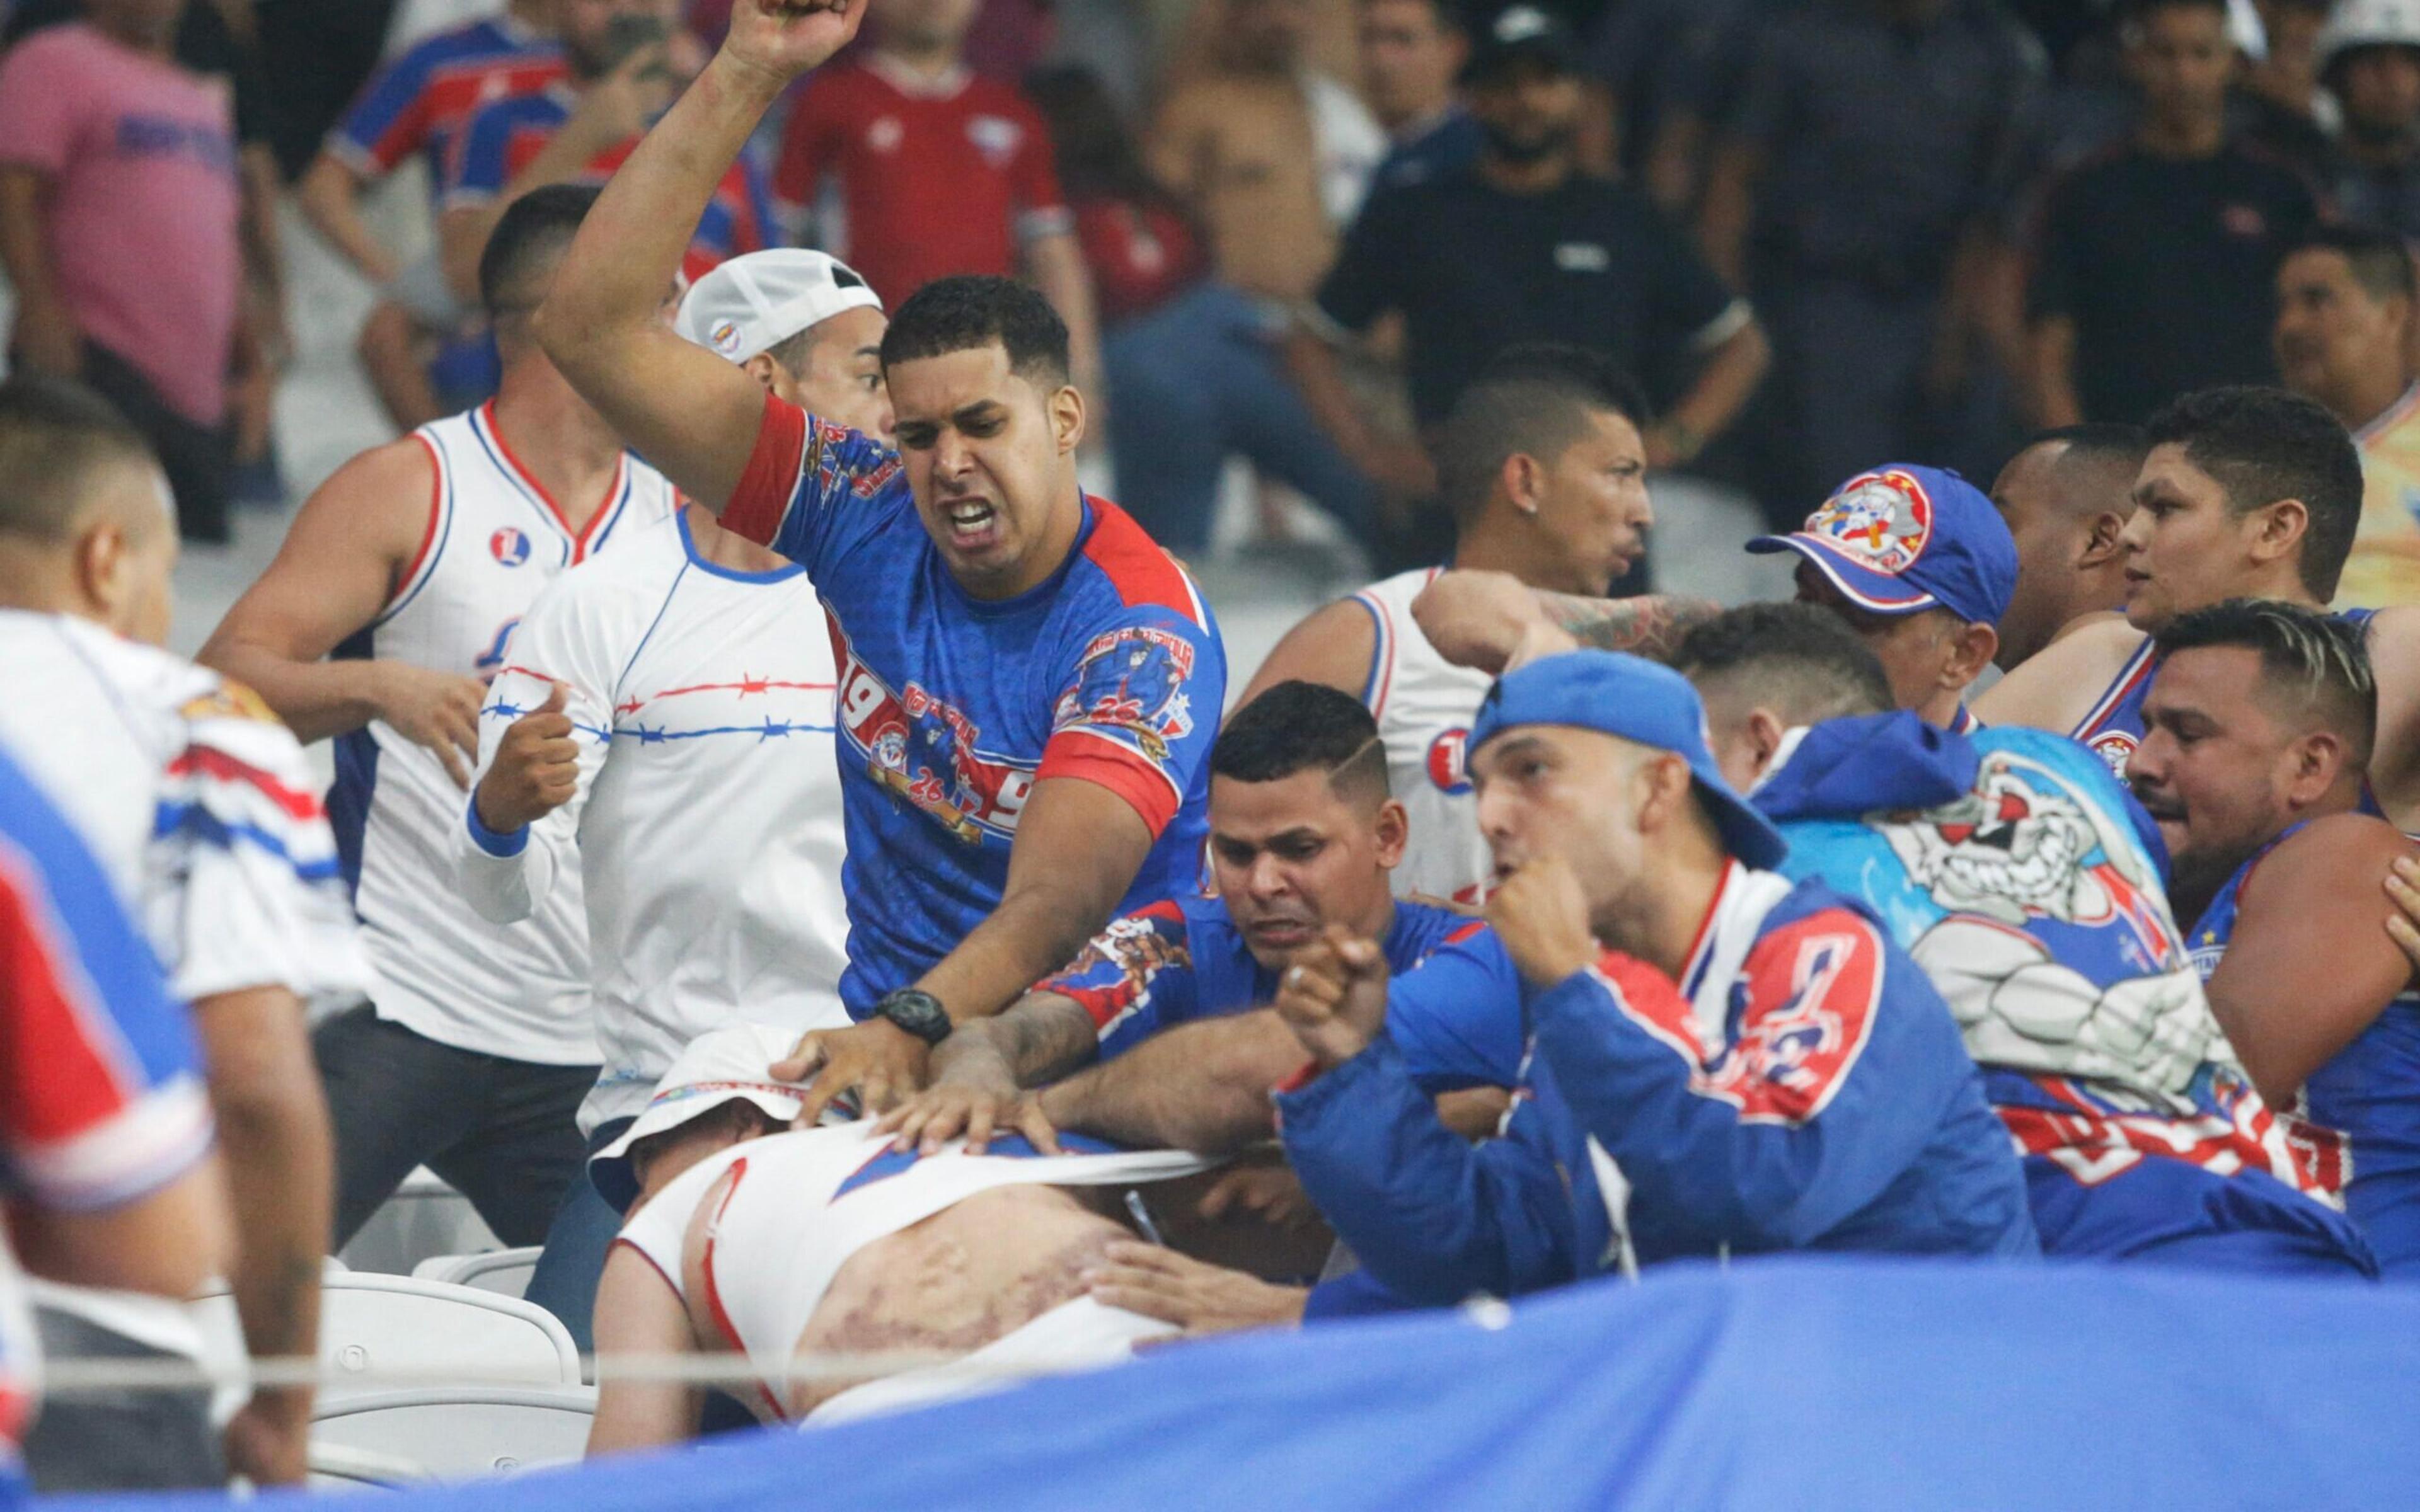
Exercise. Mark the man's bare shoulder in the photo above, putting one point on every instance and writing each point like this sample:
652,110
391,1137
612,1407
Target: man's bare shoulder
2056,687
1332,645
2343,856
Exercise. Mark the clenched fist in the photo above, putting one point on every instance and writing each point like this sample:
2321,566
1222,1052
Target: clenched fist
787,38
1542,916
1334,995
536,771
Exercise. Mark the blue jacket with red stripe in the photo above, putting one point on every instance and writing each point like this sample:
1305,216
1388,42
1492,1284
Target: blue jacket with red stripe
1802,1087
950,708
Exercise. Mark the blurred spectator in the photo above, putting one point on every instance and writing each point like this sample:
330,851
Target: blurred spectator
2370,56
104,1133
1271,153
2277,104
196,800
627,60
2152,263
320,53
2344,337
1189,358
911,167
117,161
1854,194
1524,247
416,107
1411,49
1671,66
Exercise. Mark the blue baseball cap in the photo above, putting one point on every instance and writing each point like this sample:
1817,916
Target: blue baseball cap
1904,538
1641,701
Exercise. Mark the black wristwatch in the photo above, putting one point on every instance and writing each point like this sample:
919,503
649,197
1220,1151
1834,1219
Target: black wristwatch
920,1013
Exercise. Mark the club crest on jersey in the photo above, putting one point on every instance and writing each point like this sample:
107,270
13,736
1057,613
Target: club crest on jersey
922,750
1448,766
1880,521
2117,748
509,546
1132,681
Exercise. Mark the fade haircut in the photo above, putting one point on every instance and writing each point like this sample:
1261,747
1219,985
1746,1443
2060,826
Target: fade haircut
2381,260
972,310
2311,662
55,436
1534,399
1302,727
1800,660
2264,444
527,241
2098,444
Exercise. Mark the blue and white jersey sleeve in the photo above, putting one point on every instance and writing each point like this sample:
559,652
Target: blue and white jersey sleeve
1134,980
244,887
563,640
810,486
1140,710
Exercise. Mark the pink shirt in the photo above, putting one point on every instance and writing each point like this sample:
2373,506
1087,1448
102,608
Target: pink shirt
144,207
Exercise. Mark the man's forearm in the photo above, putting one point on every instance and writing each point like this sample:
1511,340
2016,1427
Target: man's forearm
274,1138
328,196
1650,624
613,279
1039,1039
1030,934
1311,361
24,249
318,700
1202,1087
1728,381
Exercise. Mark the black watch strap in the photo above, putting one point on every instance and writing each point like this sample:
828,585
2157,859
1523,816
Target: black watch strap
920,1013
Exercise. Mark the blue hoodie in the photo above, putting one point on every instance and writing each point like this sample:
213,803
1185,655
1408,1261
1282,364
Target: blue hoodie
2029,884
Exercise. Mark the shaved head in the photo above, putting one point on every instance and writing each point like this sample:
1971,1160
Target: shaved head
61,445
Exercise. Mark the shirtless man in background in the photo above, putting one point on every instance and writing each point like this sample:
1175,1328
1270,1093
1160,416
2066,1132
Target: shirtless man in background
1272,154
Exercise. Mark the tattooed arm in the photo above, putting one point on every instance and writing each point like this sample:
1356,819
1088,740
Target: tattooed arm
1493,621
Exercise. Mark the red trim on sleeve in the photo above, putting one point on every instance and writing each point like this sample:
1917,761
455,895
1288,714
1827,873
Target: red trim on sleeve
212,762
428,532
1466,931
1100,760
770,480
1303,1076
1136,565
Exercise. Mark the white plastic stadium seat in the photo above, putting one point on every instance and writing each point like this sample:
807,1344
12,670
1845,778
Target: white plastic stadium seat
333,1467
373,1323
423,1218
504,1271
457,1435
370,1324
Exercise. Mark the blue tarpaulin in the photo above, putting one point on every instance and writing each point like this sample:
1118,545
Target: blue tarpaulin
1791,1383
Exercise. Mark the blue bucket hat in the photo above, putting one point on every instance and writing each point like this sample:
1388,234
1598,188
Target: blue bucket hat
1639,700
1904,538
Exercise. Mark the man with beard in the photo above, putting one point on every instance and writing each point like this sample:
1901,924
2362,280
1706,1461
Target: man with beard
1524,247
2258,724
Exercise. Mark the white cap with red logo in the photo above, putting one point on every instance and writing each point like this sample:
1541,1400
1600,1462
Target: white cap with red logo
759,301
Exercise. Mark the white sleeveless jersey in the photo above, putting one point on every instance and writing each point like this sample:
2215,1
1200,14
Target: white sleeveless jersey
1423,705
494,541
705,830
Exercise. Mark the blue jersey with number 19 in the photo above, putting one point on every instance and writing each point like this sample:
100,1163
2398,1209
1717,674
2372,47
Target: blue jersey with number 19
950,708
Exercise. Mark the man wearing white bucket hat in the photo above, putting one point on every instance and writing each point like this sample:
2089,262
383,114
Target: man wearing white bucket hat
779,1245
663,727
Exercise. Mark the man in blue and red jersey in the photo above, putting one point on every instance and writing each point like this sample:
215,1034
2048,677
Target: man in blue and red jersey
1303,834
1720,1060
1028,684
624,59
2259,719
414,107
104,1126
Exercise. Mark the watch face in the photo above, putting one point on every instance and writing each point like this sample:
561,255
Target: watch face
919,1013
